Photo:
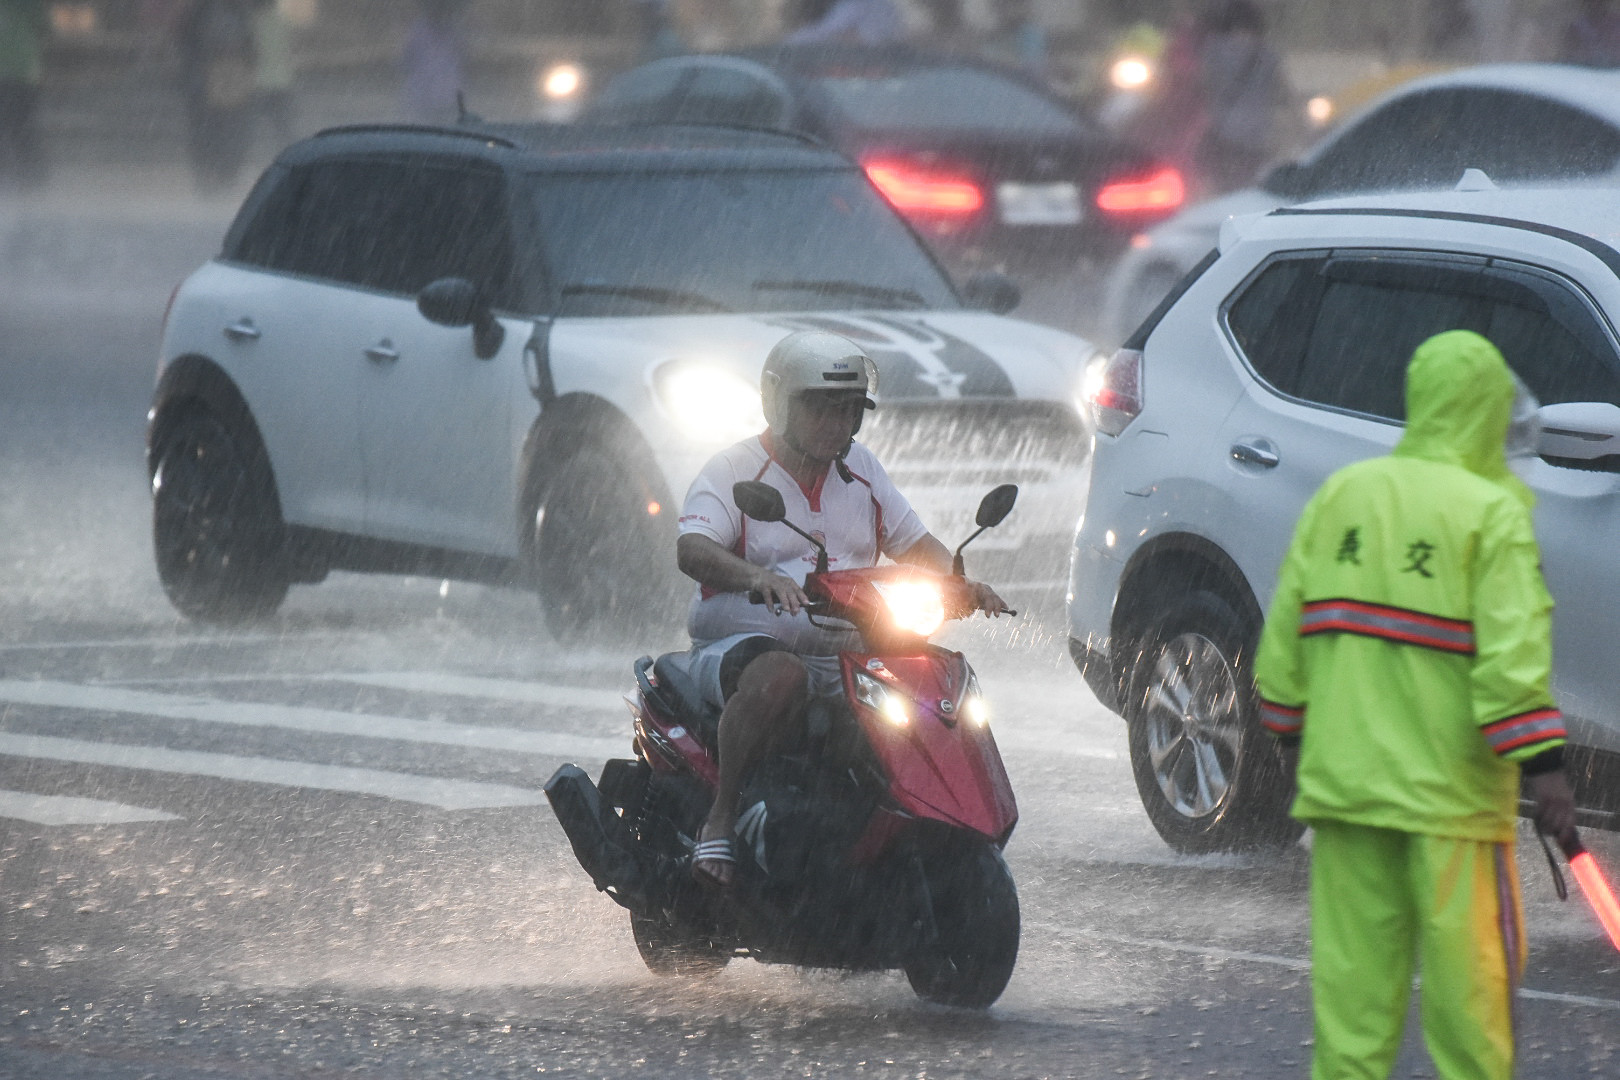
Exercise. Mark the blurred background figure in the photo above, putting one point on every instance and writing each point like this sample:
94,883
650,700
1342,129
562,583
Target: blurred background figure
1592,37
1244,91
275,69
851,22
948,30
656,26
433,63
1019,39
1172,120
23,27
215,43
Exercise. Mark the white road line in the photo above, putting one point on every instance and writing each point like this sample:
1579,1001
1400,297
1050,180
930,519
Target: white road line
556,695
162,643
300,718
1289,962
66,810
407,787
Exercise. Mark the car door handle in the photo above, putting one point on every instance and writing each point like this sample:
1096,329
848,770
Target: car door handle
242,330
383,352
1256,452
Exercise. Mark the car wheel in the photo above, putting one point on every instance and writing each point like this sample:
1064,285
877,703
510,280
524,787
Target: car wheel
216,528
604,565
666,950
1209,776
976,918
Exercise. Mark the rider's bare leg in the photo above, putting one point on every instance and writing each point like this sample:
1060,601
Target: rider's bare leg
769,698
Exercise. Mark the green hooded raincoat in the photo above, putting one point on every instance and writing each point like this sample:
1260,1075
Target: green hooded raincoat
1408,643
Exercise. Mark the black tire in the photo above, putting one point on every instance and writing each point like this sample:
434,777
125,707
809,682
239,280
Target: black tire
1208,774
976,915
668,952
216,524
604,566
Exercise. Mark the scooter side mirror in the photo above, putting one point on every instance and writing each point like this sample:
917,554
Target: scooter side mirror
758,500
994,507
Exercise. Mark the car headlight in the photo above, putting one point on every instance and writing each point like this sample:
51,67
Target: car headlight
559,82
915,606
709,403
881,700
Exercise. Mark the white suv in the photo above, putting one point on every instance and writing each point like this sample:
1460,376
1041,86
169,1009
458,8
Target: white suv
502,353
1280,359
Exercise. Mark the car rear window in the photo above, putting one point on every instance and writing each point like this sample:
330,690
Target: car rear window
666,243
943,99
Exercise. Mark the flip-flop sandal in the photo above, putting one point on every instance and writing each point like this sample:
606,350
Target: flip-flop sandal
718,850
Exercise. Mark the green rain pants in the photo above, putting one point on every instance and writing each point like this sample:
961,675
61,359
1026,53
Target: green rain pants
1382,900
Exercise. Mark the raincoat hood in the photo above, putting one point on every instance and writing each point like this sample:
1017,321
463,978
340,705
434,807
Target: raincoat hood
1459,401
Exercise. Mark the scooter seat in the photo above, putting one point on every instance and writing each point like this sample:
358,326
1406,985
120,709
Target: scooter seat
678,692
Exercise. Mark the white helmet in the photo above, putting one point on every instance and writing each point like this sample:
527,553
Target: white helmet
812,360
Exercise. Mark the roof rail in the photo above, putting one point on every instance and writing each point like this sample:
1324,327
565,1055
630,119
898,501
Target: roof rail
757,129
418,129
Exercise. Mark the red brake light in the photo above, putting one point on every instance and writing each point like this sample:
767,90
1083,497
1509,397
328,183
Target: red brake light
1113,390
1160,193
914,188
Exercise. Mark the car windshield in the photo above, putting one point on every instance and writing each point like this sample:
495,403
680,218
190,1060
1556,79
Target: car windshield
943,99
664,243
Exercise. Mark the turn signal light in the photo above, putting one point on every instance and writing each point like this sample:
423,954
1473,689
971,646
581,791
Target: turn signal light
1160,193
914,188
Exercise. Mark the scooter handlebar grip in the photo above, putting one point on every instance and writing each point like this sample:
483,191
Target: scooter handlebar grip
755,596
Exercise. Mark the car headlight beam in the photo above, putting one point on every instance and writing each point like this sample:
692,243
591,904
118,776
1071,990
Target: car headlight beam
709,404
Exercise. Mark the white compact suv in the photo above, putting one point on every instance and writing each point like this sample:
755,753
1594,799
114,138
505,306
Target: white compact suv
1281,358
503,353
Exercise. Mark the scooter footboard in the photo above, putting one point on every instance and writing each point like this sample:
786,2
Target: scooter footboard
598,837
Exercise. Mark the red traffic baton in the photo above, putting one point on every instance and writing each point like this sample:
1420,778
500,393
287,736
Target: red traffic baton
1596,888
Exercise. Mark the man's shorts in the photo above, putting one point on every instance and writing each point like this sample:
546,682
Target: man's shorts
715,666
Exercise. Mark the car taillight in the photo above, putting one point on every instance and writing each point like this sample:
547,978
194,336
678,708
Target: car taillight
1159,193
1113,391
915,188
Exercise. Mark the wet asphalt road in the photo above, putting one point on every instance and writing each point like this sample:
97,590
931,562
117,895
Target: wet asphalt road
297,873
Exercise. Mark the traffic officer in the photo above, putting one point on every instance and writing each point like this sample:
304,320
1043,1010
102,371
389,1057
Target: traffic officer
1407,656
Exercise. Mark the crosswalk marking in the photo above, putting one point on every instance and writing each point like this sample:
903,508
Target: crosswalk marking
408,787
302,718
67,810
556,695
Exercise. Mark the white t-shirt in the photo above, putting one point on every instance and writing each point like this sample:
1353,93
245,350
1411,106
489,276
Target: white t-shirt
857,519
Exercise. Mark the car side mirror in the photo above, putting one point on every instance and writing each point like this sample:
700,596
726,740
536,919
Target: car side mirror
1290,179
758,500
994,507
992,291
1579,430
455,301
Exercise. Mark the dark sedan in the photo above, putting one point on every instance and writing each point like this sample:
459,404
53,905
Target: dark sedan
987,164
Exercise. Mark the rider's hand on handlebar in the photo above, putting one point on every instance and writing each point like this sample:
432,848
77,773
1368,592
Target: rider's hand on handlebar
780,593
986,600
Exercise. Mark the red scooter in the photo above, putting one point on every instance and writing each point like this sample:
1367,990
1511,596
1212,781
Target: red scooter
874,843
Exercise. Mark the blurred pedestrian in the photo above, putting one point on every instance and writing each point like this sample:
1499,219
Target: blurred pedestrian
853,22
1406,659
215,41
433,64
1172,123
1244,91
1019,39
23,28
275,70
659,36
1592,37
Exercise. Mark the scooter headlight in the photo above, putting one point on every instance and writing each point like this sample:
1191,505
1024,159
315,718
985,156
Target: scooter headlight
974,707
915,606
881,700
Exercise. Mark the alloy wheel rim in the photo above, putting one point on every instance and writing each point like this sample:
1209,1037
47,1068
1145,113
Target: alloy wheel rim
1194,725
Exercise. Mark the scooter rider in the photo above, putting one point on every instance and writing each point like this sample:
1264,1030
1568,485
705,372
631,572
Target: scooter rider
759,664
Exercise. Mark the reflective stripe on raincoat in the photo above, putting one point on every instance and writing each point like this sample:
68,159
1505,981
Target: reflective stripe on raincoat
1408,643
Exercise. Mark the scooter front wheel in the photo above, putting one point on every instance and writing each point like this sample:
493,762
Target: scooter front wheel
667,951
976,914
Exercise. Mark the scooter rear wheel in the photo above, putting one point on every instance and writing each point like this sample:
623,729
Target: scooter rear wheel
667,951
976,914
